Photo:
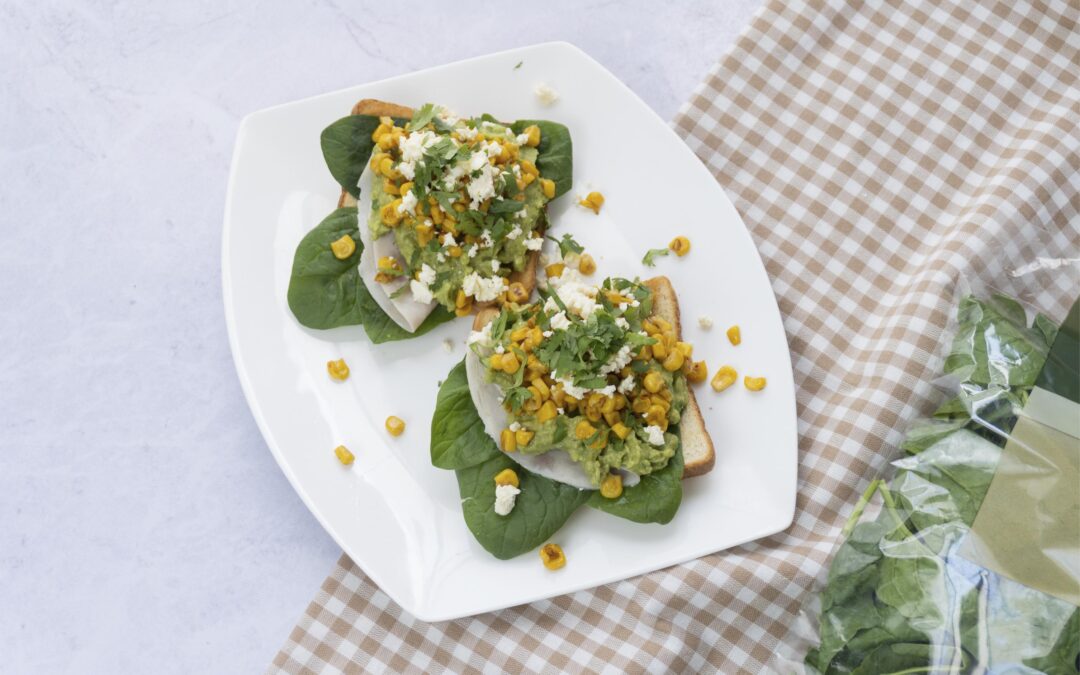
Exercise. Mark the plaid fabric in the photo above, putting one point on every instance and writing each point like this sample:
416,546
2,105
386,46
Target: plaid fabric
881,154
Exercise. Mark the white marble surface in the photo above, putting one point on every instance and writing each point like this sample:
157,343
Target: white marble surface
143,523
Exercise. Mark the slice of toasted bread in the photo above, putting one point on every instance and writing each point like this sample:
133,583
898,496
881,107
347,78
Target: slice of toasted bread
377,108
697,446
699,456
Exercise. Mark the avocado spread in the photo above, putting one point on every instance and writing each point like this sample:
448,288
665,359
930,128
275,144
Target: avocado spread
588,370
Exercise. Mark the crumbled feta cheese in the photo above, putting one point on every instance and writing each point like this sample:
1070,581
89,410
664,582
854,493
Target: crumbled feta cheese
493,148
627,385
499,349
516,170
522,139
468,133
448,345
656,435
480,337
477,160
533,243
515,426
483,186
618,361
545,94
486,240
472,251
579,297
561,411
550,305
494,265
515,233
412,150
421,287
705,322
408,203
427,274
483,289
505,497
440,256
548,333
622,323
448,240
450,180
579,392
447,115
559,321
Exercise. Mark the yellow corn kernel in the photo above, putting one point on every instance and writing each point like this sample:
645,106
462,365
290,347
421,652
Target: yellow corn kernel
531,405
662,324
508,440
593,201
519,333
608,405
552,556
547,412
495,360
527,178
437,216
379,131
674,360
405,187
386,141
611,487
343,455
584,430
586,264
461,300
620,430
523,437
389,213
464,311
554,270
344,247
339,370
395,425
686,348
507,477
612,418
593,414
533,133
754,383
541,386
655,414
517,293
376,161
528,169
454,251
620,401
653,382
640,404
696,371
659,350
725,377
388,264
510,363
386,166
390,187
600,443
734,335
680,246
548,187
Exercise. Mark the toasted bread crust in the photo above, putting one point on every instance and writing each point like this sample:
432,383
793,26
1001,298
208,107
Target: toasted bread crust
377,108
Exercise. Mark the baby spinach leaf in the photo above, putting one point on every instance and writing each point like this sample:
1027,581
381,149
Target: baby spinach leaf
655,499
555,158
346,147
458,438
542,507
324,292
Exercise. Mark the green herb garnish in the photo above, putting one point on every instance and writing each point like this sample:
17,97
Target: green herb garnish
649,259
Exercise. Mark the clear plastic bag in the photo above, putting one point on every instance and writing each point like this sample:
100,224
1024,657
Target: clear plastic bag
966,559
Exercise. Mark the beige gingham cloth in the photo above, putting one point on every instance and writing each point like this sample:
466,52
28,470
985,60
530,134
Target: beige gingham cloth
881,154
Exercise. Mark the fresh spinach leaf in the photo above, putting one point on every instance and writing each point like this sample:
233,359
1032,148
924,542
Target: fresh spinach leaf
542,507
381,328
458,438
346,147
555,154
324,292
655,499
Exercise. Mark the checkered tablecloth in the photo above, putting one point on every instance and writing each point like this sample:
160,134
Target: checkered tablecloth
881,154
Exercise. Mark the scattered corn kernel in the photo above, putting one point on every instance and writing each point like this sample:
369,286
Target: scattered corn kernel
754,383
395,425
507,441
696,372
344,247
680,246
507,477
548,187
611,487
593,201
339,370
734,335
533,132
586,264
343,455
552,556
523,437
547,412
517,293
725,377
554,270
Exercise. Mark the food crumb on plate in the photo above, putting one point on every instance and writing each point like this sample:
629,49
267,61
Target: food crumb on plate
546,94
704,321
448,345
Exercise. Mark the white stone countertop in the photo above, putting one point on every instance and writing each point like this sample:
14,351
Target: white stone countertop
144,525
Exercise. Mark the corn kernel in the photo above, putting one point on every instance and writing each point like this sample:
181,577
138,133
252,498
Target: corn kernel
552,556
593,201
659,350
517,293
389,213
339,370
547,412
405,187
620,430
389,187
655,414
463,311
586,264
507,477
344,247
696,371
674,360
388,264
725,377
454,251
548,187
680,246
611,487
653,382
584,430
343,455
379,131
754,383
395,425
386,166
533,132
508,440
686,348
554,270
734,335
523,437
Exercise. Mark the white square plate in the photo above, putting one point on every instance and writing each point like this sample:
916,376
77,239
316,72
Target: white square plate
396,515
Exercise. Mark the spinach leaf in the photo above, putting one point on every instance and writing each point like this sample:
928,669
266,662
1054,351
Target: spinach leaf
555,158
655,499
541,509
381,328
324,292
458,438
346,147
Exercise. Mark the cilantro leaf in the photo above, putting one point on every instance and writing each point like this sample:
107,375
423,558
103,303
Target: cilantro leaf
648,260
422,116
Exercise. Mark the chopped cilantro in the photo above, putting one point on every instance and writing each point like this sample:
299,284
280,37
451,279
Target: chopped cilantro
519,64
422,116
648,260
568,245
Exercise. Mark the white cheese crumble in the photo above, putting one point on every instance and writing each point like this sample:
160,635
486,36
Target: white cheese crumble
505,498
627,385
450,180
472,251
656,435
412,150
448,345
705,322
483,289
477,160
468,133
522,139
622,323
579,298
485,240
494,265
421,287
480,337
448,240
440,256
546,94
618,361
579,392
483,186
515,426
559,321
492,148
515,233
533,243
408,203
